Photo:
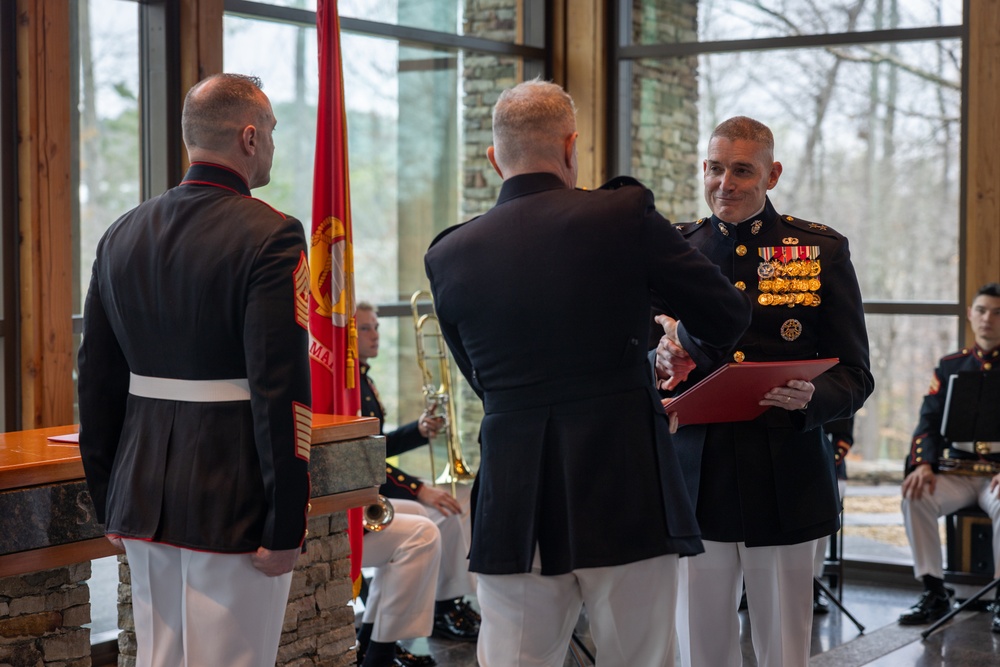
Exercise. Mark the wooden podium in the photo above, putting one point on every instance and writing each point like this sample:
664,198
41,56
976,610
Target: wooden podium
47,518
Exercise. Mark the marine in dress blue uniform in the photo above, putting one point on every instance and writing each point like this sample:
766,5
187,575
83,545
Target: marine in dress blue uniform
766,490
942,476
579,498
195,420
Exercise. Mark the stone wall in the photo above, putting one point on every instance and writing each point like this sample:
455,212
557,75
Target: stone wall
484,77
319,623
664,122
42,617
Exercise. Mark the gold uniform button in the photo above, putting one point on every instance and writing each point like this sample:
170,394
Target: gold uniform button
739,356
741,250
741,285
307,533
987,366
309,507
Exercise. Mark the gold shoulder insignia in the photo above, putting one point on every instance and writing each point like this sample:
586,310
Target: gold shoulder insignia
816,225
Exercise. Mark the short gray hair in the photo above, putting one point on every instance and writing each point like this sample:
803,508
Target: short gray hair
746,129
531,118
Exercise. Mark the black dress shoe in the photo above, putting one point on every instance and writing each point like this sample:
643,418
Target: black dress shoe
406,659
995,623
928,609
466,609
454,624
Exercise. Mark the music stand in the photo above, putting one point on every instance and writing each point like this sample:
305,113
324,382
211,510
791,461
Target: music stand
840,605
970,415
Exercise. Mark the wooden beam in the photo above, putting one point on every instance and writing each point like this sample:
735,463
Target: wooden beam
579,65
45,212
201,36
982,241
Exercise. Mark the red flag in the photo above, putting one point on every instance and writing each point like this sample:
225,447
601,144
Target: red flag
333,345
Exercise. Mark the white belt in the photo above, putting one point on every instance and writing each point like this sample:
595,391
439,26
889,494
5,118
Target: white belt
192,391
979,447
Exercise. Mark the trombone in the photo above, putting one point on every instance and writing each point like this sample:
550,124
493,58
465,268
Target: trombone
438,398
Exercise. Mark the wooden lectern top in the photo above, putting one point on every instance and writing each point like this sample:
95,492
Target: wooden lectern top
28,458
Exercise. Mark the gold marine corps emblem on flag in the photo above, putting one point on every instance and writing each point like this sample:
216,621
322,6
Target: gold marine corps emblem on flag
330,259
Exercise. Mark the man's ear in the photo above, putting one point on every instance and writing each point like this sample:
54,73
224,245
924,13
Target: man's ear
491,156
772,178
249,139
570,149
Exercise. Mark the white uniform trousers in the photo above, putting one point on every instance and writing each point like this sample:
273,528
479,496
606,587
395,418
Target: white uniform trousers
406,556
194,608
823,543
454,578
779,600
528,619
951,493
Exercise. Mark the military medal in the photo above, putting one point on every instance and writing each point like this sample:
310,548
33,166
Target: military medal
788,274
791,329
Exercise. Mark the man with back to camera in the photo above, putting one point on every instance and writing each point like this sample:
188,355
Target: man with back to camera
195,419
928,493
765,490
578,499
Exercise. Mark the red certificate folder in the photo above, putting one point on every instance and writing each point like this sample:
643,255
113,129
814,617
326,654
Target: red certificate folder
733,392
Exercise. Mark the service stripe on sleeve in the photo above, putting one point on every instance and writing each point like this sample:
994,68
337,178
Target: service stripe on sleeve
302,292
303,430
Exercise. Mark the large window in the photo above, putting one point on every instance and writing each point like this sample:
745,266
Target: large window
106,122
865,101
420,78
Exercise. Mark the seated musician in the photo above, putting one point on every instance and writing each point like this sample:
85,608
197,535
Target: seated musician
454,618
943,477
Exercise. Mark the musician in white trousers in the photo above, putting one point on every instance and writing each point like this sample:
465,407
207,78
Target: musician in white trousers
400,605
453,617
929,490
454,579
